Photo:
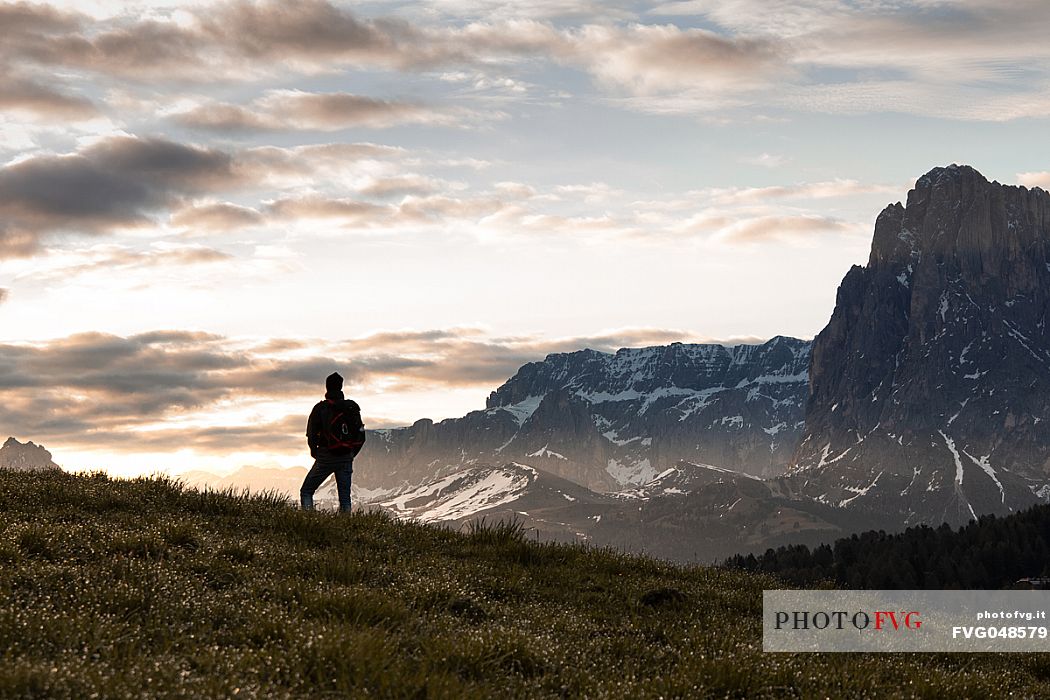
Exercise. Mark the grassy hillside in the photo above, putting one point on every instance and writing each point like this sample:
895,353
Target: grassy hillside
142,589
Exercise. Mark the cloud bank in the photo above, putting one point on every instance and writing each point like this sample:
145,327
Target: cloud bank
159,390
116,183
827,56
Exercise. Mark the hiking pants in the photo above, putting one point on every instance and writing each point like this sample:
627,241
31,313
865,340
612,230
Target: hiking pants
342,469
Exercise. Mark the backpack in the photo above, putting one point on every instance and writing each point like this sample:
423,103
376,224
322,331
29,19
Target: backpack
342,431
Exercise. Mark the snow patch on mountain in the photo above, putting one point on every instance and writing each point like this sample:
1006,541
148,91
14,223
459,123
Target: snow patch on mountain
614,437
463,494
628,473
859,491
987,467
523,410
544,452
955,456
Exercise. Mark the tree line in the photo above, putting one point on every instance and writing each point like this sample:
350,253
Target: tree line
987,553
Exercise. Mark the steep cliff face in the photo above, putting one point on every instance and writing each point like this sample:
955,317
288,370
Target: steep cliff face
929,390
25,456
610,421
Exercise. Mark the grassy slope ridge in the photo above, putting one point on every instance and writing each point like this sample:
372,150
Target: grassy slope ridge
142,589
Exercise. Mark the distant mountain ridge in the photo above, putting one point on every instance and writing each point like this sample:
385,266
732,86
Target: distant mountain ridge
25,456
690,512
613,421
256,479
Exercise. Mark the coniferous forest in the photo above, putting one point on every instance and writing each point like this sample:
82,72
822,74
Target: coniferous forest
988,553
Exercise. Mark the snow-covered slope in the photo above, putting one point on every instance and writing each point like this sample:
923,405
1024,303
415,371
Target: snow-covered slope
463,494
553,507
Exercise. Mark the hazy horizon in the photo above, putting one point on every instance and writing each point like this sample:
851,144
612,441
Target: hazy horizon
206,207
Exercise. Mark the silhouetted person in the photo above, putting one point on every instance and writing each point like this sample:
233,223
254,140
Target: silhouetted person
335,434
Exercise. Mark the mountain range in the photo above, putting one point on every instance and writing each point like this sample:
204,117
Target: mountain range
614,421
926,399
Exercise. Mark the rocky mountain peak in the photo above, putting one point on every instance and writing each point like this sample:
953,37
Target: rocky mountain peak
955,216
950,176
25,456
936,360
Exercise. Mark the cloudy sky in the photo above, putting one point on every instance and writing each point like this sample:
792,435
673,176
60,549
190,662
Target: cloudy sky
206,207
